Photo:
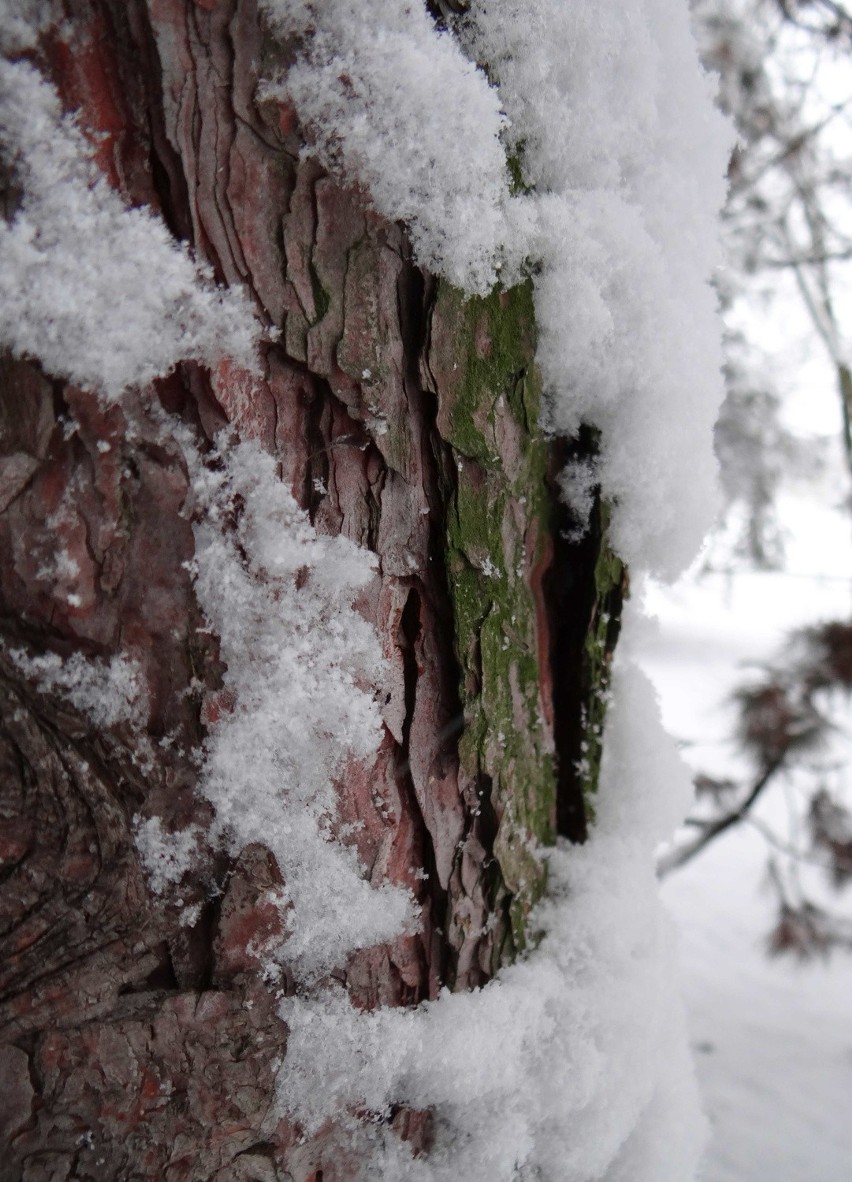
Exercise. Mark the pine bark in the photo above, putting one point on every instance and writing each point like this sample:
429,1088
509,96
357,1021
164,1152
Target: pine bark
402,415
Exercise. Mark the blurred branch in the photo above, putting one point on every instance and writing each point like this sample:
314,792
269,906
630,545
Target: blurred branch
840,20
711,830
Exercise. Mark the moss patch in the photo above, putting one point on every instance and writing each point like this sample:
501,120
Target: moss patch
482,356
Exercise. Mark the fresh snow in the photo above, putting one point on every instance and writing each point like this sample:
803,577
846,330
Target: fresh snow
398,107
298,656
21,21
572,1064
98,292
612,119
165,856
108,693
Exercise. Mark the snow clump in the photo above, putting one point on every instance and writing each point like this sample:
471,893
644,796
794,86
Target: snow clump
298,658
99,293
165,856
613,121
397,106
108,693
572,1064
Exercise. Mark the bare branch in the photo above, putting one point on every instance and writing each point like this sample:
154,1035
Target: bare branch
711,830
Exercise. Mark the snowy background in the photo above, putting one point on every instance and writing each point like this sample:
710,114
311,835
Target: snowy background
772,1038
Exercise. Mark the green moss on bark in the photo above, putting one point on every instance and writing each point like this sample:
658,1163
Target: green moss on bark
489,390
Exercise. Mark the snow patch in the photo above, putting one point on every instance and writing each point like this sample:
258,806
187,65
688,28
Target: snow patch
397,106
108,693
579,482
101,294
21,21
300,666
165,856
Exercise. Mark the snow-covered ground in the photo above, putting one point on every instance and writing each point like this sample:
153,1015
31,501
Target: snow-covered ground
772,1039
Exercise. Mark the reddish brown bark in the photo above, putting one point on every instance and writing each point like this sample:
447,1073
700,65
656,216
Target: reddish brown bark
132,1046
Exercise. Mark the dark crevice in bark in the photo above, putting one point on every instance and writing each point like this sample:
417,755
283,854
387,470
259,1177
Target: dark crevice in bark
161,978
569,591
317,466
416,294
485,825
409,636
409,626
415,311
167,175
200,943
11,193
443,12
162,182
572,598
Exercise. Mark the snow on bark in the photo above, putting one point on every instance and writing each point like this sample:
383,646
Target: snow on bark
99,293
296,706
22,20
102,294
167,857
572,1064
398,107
611,121
107,692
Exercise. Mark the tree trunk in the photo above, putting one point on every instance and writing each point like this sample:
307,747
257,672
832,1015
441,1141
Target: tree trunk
403,416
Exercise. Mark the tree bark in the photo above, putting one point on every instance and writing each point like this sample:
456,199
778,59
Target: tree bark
405,417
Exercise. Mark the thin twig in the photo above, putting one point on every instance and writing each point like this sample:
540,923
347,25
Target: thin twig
679,856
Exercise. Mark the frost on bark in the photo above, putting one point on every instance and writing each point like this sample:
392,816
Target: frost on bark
135,1045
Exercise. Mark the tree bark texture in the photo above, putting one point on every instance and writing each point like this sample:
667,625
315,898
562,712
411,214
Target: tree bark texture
402,415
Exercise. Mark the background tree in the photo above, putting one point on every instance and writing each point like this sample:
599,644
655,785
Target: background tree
784,79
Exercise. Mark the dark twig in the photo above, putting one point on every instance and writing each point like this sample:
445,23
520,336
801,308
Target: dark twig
711,830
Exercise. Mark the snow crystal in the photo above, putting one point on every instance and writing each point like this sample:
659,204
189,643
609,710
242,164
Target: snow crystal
165,856
107,692
22,20
578,485
98,292
395,105
298,657
572,1064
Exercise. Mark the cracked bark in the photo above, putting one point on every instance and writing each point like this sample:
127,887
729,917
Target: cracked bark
401,415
